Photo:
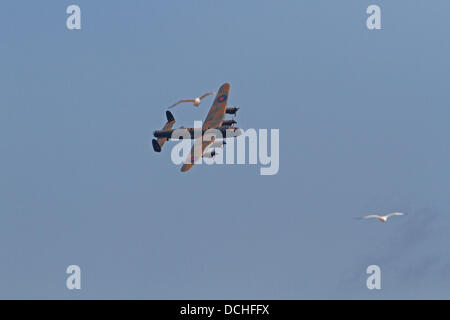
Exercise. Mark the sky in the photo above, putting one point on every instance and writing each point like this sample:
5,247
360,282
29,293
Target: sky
363,121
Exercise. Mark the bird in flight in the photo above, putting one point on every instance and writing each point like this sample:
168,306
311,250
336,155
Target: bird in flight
383,218
195,101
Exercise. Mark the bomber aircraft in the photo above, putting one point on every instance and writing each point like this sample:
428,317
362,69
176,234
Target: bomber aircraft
204,139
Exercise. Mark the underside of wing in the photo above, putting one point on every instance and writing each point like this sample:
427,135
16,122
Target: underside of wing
217,112
197,151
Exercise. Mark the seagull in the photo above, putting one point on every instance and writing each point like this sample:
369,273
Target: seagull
195,101
383,218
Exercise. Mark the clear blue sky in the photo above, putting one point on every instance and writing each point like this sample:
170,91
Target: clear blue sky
364,128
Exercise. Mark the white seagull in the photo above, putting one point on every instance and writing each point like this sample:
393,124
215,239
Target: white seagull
195,101
383,218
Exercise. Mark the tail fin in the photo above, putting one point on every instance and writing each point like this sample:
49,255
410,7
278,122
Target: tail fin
157,144
169,116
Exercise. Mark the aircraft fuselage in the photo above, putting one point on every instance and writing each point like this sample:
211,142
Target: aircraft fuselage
226,131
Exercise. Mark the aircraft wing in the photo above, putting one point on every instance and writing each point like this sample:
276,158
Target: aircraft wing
217,112
199,148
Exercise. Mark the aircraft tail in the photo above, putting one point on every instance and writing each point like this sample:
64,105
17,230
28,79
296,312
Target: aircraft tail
158,143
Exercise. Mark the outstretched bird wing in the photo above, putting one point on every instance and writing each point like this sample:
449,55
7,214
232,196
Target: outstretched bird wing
181,101
372,216
394,214
205,95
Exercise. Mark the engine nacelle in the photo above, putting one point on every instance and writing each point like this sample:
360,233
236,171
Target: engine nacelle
209,154
231,110
228,122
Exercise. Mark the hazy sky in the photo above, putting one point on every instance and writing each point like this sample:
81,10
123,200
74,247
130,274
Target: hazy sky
364,128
